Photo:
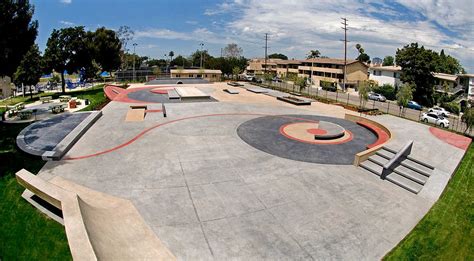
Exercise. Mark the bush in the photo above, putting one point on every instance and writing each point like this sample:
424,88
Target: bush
386,90
451,107
328,86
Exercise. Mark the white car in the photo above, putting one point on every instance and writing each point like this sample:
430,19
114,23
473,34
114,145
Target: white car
377,97
432,117
439,111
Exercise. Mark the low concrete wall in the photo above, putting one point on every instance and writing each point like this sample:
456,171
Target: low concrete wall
98,226
364,155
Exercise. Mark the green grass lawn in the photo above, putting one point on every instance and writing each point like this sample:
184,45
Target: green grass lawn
447,231
26,233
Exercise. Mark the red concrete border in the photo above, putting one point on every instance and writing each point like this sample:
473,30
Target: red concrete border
454,139
325,142
382,136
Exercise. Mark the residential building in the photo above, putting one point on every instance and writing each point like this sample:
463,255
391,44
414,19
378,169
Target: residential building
467,80
288,68
207,74
257,66
386,75
332,71
5,87
447,83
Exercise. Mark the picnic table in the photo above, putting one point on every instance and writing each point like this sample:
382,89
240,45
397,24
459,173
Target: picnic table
57,108
46,99
14,109
64,98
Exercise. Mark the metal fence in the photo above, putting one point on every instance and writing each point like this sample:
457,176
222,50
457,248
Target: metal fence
348,99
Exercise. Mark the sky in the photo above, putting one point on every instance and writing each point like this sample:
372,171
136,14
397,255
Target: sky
294,26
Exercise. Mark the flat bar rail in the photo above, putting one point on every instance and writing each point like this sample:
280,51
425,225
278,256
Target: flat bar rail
399,156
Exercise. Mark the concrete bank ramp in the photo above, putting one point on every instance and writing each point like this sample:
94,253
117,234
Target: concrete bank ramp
98,226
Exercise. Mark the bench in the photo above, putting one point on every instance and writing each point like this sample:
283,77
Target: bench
98,226
46,99
57,108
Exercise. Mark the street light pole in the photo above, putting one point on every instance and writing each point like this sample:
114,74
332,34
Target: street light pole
134,45
202,45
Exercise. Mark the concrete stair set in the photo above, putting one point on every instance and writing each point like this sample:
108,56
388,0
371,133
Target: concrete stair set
408,173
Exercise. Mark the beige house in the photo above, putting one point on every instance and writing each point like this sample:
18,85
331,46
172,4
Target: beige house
332,70
5,87
207,74
286,68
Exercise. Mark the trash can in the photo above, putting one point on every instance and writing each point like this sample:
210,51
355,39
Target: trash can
86,102
72,104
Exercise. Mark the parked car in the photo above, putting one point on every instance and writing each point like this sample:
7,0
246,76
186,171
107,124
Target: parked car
414,105
432,117
377,97
440,111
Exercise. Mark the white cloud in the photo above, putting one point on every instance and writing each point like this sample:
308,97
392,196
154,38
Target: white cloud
67,23
298,26
192,22
199,34
65,1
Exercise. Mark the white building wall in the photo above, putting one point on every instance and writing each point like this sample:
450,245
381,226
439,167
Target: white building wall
385,78
470,89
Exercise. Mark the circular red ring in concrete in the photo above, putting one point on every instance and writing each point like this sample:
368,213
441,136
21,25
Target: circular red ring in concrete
159,91
348,136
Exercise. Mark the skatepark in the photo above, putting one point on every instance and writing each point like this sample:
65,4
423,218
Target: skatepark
209,174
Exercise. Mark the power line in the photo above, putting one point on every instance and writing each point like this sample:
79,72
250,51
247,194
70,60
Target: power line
344,22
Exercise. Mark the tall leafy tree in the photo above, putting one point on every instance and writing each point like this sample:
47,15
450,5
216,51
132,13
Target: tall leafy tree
17,33
313,54
106,47
388,61
404,95
180,61
278,56
447,64
66,49
417,65
30,69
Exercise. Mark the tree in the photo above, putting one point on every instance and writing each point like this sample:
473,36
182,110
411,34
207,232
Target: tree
30,69
363,57
180,61
125,34
300,82
236,71
364,89
18,33
388,61
404,95
278,56
233,50
66,49
468,119
171,54
196,58
446,64
106,47
313,54
417,65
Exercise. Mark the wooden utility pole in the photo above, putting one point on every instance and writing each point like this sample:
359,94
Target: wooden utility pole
202,45
266,48
344,22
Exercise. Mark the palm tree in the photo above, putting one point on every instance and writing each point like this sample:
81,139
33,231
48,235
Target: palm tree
171,54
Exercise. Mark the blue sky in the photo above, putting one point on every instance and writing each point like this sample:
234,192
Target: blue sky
295,27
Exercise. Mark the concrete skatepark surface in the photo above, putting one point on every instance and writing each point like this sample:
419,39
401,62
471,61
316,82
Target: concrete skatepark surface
45,135
264,134
209,195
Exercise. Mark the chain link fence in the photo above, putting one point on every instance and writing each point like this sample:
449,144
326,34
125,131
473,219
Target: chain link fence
352,100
